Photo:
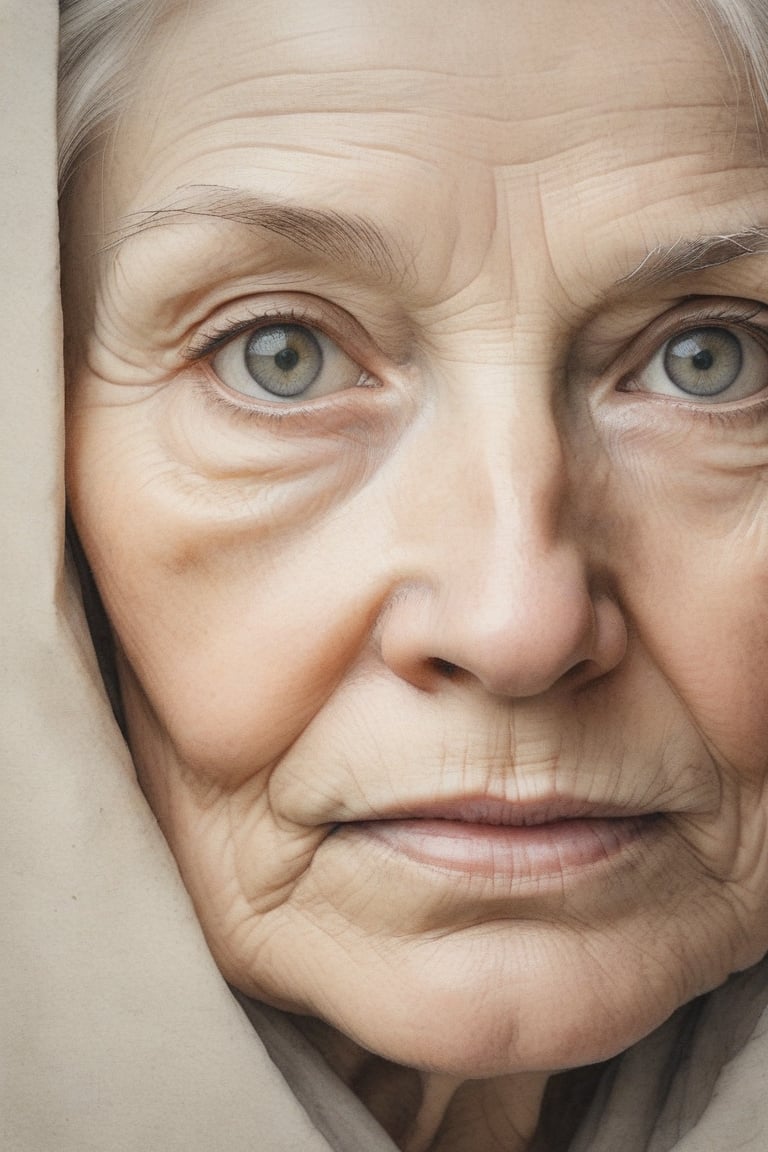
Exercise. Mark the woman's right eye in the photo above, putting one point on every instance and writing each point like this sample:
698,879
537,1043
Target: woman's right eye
283,362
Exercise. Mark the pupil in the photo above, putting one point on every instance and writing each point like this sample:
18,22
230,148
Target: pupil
286,359
703,360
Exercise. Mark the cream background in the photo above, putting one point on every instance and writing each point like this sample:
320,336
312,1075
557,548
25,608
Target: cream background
117,1031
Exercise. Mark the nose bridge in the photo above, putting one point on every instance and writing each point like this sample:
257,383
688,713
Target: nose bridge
495,495
521,556
495,581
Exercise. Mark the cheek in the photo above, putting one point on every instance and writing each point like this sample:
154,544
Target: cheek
692,514
716,656
702,612
236,622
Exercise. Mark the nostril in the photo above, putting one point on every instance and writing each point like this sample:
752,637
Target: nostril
578,670
557,630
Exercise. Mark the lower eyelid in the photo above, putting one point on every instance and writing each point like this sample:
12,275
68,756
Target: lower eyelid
214,392
746,415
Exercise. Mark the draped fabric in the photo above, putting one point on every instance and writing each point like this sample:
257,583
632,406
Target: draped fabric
117,1031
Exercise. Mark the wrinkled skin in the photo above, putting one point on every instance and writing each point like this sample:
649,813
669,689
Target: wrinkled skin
495,554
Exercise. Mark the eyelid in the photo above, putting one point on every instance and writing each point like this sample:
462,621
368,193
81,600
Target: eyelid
260,310
253,312
695,312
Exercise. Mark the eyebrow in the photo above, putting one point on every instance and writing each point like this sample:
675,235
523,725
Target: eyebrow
348,239
355,241
667,262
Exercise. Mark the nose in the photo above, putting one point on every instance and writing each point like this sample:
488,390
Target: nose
496,583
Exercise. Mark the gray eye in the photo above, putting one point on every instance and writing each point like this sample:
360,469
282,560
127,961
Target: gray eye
283,362
284,359
711,365
705,361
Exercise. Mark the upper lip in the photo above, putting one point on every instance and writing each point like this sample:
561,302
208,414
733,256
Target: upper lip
481,809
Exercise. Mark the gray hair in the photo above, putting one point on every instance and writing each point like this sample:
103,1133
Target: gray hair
741,29
100,37
97,40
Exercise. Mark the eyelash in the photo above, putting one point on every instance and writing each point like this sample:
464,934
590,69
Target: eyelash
210,341
207,343
731,315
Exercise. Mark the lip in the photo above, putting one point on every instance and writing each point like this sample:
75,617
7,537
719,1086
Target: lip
526,812
488,837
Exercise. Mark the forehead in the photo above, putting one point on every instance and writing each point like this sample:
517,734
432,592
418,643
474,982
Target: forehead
448,126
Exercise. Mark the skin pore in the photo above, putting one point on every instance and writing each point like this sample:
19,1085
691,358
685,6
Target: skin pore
417,441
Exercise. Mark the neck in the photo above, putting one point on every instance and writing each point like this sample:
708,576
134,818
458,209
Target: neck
431,1112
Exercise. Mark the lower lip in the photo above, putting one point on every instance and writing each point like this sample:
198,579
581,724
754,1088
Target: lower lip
519,852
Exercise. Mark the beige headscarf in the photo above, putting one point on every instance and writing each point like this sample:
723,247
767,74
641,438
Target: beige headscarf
118,1033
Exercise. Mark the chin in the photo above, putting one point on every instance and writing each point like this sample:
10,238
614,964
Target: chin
488,1046
494,1025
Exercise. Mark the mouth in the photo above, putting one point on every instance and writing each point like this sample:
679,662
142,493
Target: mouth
484,836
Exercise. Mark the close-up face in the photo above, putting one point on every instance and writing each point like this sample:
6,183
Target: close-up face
417,441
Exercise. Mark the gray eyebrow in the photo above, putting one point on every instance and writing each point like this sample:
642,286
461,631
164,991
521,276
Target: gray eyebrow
345,239
666,262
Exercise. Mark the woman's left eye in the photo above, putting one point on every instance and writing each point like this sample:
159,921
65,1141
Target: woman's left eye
284,362
710,364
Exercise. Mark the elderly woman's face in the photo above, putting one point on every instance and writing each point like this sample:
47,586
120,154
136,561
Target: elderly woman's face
418,442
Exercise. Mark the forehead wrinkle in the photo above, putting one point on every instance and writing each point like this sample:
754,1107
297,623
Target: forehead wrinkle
342,238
